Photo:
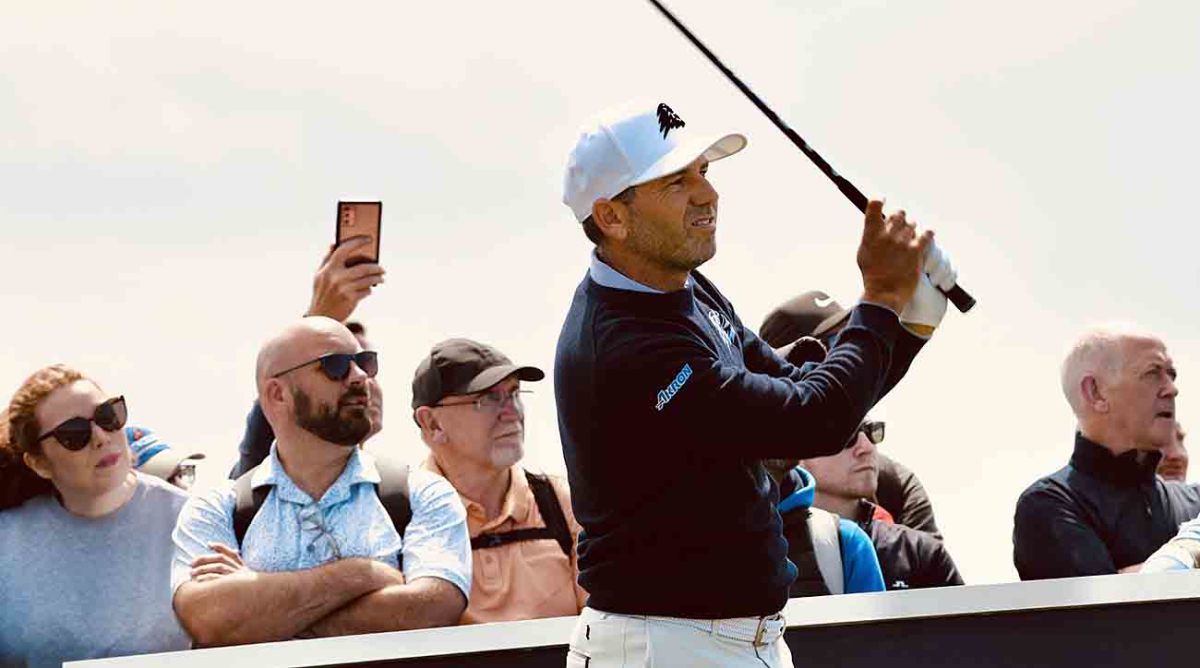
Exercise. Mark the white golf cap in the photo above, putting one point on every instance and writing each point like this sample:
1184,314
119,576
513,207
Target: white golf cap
633,144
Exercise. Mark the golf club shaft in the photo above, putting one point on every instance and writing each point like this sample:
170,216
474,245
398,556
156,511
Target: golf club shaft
957,296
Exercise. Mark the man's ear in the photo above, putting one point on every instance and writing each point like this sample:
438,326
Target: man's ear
275,395
612,217
431,427
1089,388
37,464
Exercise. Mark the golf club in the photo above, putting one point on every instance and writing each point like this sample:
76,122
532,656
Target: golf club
957,296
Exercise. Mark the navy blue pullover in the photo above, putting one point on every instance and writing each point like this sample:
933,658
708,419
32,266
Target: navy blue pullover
666,405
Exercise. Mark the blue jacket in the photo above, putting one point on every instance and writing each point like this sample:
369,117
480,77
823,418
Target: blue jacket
860,565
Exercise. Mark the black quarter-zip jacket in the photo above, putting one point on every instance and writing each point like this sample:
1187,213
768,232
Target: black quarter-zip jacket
1098,514
666,405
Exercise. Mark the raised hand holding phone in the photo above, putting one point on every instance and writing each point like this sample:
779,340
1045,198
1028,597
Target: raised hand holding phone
338,287
360,219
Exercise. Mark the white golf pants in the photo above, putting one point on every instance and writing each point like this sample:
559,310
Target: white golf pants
608,640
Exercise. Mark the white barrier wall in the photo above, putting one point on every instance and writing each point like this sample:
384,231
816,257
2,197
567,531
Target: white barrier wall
988,624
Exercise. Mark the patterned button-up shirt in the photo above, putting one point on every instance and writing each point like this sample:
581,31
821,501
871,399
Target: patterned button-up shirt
294,532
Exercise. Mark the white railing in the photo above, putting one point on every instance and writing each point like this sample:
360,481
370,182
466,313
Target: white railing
851,609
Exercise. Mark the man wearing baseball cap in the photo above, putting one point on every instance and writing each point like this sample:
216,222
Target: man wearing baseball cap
467,402
812,314
667,403
813,317
154,456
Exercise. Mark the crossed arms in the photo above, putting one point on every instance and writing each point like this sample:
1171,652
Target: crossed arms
221,601
226,603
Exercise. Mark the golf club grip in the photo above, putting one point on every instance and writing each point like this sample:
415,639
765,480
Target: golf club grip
960,298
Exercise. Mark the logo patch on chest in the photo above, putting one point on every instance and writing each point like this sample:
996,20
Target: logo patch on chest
722,325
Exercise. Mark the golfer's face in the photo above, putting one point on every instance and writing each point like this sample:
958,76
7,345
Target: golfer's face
676,218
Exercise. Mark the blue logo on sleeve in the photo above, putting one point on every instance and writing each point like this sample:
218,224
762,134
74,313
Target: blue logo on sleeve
668,393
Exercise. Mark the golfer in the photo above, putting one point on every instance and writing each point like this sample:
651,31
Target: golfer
667,403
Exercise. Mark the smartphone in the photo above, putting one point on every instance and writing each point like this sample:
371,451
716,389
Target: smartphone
360,219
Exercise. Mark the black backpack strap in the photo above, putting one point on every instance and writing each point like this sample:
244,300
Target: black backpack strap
551,510
393,492
488,540
556,528
249,500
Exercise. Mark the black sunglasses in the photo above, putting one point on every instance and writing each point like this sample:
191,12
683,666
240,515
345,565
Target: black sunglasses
874,431
872,428
76,433
336,366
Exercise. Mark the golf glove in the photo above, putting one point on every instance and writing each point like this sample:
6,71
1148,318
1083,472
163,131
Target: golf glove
928,304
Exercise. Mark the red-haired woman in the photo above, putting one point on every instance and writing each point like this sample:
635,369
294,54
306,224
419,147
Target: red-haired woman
85,542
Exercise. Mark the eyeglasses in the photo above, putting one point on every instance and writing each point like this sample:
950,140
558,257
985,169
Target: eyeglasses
337,365
76,433
185,476
313,520
872,428
493,402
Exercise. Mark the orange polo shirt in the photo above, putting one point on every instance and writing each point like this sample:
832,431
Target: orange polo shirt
527,579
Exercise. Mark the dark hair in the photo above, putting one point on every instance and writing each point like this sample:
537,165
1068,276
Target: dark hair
356,328
592,230
20,431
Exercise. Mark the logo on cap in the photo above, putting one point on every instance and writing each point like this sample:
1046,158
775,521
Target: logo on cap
668,119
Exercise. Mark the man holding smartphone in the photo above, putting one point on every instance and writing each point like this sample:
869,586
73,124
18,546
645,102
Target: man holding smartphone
667,403
321,556
338,287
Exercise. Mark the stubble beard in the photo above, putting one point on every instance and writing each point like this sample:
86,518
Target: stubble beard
683,255
505,456
866,490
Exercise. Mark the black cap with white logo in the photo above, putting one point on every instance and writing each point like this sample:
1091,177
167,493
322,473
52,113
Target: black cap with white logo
810,314
463,366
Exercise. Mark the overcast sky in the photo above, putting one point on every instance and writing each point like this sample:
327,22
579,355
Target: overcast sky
168,175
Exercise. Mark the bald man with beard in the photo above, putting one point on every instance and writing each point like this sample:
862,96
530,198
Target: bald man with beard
321,556
337,290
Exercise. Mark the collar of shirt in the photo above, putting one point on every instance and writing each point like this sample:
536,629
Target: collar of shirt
360,468
516,504
864,514
605,275
1097,460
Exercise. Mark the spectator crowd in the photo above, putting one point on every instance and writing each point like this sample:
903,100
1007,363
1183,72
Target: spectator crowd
320,531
